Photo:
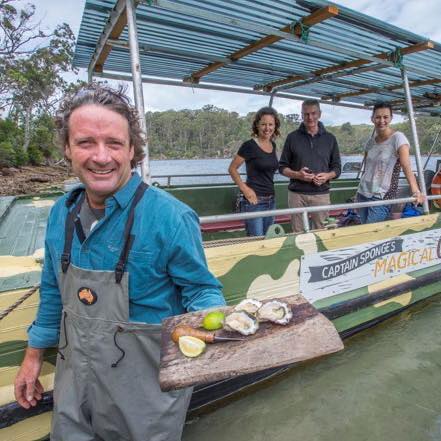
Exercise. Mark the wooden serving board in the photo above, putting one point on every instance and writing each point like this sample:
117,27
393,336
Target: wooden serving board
308,335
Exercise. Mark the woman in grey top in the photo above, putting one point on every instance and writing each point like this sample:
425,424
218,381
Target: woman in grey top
386,153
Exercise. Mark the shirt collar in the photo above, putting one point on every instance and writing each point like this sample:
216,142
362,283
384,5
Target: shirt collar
124,195
321,129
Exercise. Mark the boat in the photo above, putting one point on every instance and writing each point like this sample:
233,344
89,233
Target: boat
356,276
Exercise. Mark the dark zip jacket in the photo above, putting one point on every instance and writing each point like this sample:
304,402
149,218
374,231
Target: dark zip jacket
319,153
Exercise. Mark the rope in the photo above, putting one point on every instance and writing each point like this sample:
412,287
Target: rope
25,296
396,57
304,30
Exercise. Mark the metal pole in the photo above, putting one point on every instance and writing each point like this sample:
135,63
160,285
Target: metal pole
431,149
415,138
270,104
137,84
305,221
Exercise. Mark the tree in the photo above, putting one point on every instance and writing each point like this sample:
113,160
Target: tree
31,79
36,81
10,144
18,37
346,127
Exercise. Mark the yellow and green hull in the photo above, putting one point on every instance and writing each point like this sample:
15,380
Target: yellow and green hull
257,268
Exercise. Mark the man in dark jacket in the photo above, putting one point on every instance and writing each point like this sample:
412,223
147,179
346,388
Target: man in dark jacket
310,158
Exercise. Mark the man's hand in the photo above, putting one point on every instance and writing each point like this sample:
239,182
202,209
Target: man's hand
27,387
249,194
304,174
321,178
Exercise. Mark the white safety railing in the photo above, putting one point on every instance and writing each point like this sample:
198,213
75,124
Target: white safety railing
304,211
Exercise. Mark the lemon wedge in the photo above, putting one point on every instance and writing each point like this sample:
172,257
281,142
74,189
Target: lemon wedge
191,346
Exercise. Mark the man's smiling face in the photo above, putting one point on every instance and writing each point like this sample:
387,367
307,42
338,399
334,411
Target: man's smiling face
100,151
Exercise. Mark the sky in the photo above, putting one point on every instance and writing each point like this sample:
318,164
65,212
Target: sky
418,16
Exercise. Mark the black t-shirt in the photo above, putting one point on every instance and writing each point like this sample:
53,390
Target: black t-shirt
260,167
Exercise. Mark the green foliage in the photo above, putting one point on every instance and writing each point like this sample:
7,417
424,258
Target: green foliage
11,137
35,155
43,141
207,132
213,132
21,157
7,154
31,78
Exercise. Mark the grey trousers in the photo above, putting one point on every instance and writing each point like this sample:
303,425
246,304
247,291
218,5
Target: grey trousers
296,200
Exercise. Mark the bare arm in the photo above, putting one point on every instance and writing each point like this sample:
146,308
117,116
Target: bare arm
27,386
243,187
404,156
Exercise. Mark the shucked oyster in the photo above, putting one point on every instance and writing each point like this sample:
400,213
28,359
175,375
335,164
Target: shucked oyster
274,311
248,305
241,322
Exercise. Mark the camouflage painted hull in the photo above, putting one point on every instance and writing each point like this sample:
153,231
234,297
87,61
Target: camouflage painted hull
247,268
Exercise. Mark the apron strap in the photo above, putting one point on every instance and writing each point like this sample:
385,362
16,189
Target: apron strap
70,225
129,238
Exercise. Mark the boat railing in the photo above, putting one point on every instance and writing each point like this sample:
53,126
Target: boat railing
193,175
156,179
304,211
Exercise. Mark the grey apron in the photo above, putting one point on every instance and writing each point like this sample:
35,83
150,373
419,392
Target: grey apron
106,381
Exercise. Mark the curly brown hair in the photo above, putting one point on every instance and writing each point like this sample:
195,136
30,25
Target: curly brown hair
260,114
110,98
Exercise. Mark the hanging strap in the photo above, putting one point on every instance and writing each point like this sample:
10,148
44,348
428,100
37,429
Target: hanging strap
73,222
129,238
70,225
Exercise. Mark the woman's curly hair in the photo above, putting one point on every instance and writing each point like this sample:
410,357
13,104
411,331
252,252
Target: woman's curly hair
260,114
112,99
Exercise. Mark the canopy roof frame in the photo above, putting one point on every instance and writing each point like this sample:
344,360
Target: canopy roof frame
114,29
335,61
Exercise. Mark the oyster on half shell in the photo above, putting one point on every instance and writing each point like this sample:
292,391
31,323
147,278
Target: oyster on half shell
248,305
241,322
274,311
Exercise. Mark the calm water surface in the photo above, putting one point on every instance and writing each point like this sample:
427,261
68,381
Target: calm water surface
220,166
385,385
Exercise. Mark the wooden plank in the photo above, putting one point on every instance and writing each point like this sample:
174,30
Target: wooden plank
112,30
310,20
115,34
347,65
308,335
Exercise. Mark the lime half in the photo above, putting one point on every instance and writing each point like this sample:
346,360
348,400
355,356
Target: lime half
191,346
213,320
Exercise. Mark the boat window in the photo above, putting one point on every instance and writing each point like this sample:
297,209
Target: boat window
352,167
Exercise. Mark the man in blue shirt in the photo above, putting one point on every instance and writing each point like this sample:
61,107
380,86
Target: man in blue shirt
119,257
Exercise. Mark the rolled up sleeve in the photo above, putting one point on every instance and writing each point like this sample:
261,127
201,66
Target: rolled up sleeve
44,331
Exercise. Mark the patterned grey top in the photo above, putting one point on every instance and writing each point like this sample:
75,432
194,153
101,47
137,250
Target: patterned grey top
380,177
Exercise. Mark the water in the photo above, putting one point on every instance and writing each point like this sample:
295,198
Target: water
220,166
385,385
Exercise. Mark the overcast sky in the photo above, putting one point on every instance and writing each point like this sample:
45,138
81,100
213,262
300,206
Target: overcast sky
418,16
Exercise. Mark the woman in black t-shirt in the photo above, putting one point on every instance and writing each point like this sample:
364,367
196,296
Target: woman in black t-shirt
259,155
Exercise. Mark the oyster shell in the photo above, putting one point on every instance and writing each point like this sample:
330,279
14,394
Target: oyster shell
241,322
248,305
274,311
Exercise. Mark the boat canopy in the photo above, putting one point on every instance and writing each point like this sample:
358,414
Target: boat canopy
289,48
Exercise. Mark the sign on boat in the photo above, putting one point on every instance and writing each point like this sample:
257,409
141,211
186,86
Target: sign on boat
293,50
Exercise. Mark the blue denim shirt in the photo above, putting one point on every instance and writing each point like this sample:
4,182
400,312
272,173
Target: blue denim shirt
168,273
